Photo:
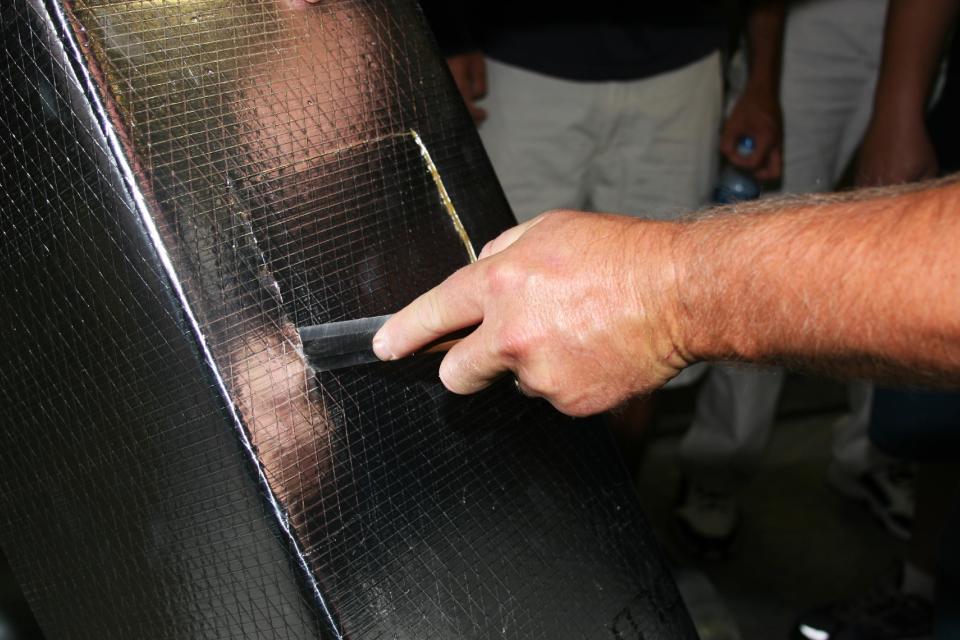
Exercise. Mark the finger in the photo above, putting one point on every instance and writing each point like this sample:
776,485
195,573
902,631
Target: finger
507,238
478,78
728,142
523,389
472,364
747,163
478,114
463,86
772,169
453,304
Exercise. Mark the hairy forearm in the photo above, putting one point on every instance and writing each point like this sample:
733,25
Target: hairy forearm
864,284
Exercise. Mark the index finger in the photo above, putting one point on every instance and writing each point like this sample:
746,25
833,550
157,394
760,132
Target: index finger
453,304
772,168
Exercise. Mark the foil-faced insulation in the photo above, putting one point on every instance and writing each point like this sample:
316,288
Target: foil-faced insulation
185,182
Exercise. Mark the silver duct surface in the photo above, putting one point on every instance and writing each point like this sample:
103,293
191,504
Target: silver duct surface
183,183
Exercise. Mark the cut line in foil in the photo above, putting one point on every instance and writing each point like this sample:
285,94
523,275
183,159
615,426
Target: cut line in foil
444,196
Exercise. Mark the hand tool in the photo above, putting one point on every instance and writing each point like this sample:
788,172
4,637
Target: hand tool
336,345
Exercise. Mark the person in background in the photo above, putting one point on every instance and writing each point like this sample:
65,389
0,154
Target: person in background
901,146
831,58
612,107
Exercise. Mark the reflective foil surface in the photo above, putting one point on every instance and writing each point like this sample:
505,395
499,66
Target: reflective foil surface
185,182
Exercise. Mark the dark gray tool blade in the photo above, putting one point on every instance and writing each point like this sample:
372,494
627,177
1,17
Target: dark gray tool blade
341,344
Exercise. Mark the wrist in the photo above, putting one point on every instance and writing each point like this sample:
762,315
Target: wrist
656,316
710,279
896,105
763,90
897,119
687,293
763,86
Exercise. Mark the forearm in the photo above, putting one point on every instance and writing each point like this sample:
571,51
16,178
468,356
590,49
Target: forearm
864,284
915,35
765,45
588,310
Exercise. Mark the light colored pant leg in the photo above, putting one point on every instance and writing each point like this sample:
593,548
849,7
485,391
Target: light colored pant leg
853,452
731,424
831,58
832,52
540,135
659,158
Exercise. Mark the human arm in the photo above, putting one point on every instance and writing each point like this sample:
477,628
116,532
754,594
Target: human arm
757,113
588,311
862,284
469,71
451,25
896,147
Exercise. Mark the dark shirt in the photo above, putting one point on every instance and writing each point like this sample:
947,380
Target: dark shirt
599,41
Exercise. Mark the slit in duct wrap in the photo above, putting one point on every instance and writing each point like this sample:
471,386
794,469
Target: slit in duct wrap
260,197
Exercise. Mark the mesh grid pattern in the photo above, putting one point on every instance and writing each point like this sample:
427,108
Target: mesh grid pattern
184,183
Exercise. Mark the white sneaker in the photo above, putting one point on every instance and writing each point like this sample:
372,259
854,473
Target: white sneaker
888,491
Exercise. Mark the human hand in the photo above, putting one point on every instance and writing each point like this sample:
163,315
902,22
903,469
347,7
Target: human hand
895,152
582,308
469,71
756,115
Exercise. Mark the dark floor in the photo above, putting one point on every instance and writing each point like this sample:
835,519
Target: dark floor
800,543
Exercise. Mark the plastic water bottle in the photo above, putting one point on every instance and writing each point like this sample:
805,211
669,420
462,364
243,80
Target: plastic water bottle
734,185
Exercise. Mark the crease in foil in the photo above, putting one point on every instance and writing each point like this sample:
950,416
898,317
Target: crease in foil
110,131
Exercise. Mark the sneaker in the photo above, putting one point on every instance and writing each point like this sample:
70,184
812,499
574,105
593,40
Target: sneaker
881,614
707,519
887,490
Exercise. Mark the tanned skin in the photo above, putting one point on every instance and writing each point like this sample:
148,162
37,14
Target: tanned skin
589,310
897,148
757,113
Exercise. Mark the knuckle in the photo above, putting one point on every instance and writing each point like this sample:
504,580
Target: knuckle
430,316
449,371
538,383
503,277
512,344
487,249
577,408
554,215
574,405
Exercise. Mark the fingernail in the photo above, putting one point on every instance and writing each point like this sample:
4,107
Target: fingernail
381,349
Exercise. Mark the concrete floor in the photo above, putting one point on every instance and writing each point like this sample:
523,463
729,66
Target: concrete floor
800,543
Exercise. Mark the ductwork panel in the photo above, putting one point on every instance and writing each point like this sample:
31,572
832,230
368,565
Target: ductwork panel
183,183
